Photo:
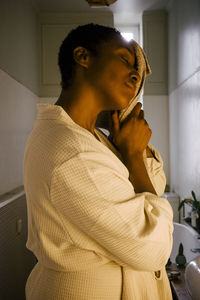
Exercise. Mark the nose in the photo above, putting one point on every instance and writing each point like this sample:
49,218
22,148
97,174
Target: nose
135,77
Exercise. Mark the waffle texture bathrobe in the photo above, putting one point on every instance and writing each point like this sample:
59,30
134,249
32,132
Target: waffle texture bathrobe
93,236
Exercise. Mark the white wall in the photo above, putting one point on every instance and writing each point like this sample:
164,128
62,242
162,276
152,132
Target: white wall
184,79
129,22
156,109
156,100
18,86
17,114
18,42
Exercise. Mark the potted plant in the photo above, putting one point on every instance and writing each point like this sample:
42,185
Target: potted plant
195,208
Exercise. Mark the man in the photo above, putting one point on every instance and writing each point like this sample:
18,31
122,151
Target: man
96,225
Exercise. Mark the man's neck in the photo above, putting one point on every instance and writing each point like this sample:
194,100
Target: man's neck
83,110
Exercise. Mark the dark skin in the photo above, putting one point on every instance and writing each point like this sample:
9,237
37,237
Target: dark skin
107,82
132,152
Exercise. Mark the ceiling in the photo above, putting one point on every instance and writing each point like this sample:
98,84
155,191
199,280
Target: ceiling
120,6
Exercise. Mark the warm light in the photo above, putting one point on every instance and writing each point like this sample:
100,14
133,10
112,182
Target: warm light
127,35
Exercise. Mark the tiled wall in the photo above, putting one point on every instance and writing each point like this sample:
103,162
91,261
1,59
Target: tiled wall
184,78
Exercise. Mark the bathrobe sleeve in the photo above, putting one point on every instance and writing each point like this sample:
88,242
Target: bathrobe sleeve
93,192
154,166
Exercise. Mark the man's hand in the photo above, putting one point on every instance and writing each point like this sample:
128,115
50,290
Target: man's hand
131,138
133,135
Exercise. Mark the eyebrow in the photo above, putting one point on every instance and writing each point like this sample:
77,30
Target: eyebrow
132,53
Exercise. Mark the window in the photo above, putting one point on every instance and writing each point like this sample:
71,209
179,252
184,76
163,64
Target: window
130,32
127,35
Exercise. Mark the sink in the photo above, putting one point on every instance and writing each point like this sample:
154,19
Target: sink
192,278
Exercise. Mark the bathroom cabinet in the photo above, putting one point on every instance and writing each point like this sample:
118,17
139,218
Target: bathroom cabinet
16,261
155,44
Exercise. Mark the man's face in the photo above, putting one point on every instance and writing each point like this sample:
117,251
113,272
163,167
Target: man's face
112,74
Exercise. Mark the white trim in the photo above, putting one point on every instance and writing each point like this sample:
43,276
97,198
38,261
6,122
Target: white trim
11,197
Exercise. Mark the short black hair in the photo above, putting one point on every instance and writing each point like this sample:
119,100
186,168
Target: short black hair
88,36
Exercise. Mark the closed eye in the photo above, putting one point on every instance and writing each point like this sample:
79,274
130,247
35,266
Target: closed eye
126,61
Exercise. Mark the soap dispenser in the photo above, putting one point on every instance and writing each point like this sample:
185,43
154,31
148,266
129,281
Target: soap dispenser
180,258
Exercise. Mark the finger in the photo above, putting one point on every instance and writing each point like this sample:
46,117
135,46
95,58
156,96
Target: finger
136,111
149,134
141,114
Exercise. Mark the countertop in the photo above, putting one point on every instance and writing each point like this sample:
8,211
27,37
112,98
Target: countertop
178,285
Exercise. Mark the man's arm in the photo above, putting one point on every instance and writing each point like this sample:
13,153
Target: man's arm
138,174
132,140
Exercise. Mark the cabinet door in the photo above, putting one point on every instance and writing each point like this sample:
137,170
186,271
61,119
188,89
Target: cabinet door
155,37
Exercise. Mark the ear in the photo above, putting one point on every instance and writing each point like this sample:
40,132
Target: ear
81,56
